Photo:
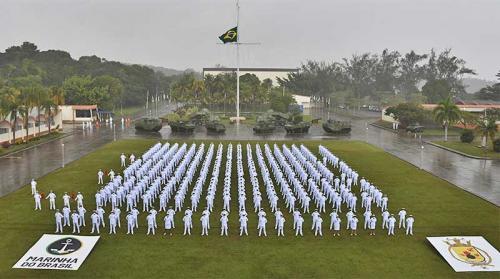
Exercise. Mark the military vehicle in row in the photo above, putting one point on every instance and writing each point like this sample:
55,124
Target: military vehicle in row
264,127
147,124
214,126
337,127
415,128
188,118
297,128
182,127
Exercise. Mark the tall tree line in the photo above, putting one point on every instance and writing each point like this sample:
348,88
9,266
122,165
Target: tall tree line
90,79
385,78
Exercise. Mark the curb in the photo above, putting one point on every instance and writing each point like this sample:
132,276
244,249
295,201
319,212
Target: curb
458,152
33,146
384,128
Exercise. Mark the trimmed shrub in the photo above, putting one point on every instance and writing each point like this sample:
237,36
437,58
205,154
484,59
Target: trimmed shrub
467,136
5,144
496,145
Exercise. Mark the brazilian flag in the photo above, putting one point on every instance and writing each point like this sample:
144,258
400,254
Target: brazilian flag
231,36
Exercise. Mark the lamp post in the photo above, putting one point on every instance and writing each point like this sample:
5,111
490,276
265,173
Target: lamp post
62,148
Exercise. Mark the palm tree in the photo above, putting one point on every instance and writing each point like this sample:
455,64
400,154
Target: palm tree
198,87
486,127
27,99
447,113
50,104
10,106
40,99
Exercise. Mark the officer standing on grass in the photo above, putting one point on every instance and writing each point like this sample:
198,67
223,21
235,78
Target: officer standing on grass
318,229
112,223
95,222
409,224
59,225
66,214
281,226
100,175
66,199
298,227
123,158
151,223
33,186
223,222
168,219
392,223
75,218
243,225
187,224
52,200
402,218
336,227
261,226
38,202
372,224
130,223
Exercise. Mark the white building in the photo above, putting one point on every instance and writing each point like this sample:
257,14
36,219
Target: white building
79,113
37,125
262,73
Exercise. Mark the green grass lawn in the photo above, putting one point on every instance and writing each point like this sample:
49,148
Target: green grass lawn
439,207
473,148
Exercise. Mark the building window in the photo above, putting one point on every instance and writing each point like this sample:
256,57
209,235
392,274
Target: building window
82,113
4,130
30,125
19,127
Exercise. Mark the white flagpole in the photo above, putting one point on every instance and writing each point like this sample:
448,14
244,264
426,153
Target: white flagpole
237,62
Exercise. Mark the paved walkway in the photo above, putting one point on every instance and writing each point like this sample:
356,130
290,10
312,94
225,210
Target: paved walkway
480,177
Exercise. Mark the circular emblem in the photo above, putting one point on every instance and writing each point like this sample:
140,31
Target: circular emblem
64,246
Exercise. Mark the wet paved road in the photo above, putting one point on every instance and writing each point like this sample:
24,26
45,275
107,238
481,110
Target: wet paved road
480,177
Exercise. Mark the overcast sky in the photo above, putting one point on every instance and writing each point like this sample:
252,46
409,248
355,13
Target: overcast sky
183,33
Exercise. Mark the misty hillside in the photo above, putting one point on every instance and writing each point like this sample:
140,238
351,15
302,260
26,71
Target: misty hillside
171,72
472,85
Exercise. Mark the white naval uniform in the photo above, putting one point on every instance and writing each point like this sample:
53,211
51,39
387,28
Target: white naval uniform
59,225
151,223
243,225
33,187
298,228
52,200
38,204
409,225
223,221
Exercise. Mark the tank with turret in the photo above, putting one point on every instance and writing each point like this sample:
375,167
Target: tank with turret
148,124
297,128
337,127
295,123
182,127
214,126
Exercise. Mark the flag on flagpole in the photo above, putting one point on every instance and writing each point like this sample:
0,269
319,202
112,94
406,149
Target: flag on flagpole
231,36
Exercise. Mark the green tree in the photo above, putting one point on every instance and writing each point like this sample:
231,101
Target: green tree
436,90
10,106
447,113
113,88
406,113
486,128
448,68
55,98
411,72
